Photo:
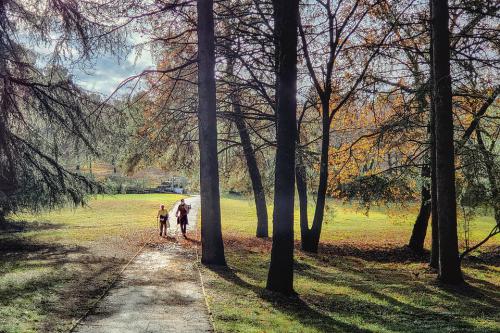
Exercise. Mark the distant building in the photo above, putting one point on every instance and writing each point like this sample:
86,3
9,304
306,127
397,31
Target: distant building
175,184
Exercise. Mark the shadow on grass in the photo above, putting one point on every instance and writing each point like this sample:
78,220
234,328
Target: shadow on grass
7,227
378,254
293,306
352,290
378,299
491,257
481,292
374,280
53,282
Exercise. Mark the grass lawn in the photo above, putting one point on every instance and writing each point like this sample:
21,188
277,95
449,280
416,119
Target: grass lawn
54,265
363,280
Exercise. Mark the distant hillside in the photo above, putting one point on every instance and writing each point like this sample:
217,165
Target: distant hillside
150,176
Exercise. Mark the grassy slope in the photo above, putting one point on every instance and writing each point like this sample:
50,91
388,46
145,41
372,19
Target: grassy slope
53,265
364,280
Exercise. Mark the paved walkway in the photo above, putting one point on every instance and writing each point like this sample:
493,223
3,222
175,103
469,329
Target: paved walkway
159,291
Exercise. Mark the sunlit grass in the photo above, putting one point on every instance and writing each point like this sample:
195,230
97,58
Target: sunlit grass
363,291
348,222
106,215
54,264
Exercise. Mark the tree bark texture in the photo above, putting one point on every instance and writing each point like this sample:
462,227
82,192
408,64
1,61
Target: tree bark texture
280,277
253,168
434,258
449,264
310,242
211,234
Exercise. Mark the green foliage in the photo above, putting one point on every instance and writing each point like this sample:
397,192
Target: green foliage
122,185
376,189
46,187
43,113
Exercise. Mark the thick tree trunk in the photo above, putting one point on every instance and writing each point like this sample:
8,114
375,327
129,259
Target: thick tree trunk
449,263
434,258
420,227
280,277
253,168
211,234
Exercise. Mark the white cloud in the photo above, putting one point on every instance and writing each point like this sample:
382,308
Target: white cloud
104,74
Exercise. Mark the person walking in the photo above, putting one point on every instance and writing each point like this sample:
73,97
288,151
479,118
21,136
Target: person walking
163,219
182,219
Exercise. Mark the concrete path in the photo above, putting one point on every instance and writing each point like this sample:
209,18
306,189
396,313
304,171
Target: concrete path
160,291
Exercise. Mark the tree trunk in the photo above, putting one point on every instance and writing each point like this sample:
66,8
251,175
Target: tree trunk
300,175
489,161
246,144
280,277
77,154
434,258
420,227
310,243
419,232
253,168
449,263
8,183
211,234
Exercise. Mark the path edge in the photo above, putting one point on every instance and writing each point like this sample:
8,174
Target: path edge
198,267
108,288
113,282
115,279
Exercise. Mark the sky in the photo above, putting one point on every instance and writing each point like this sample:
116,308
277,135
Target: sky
106,72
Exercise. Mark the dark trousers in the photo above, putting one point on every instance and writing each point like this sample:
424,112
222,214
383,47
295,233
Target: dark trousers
183,221
163,226
183,227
